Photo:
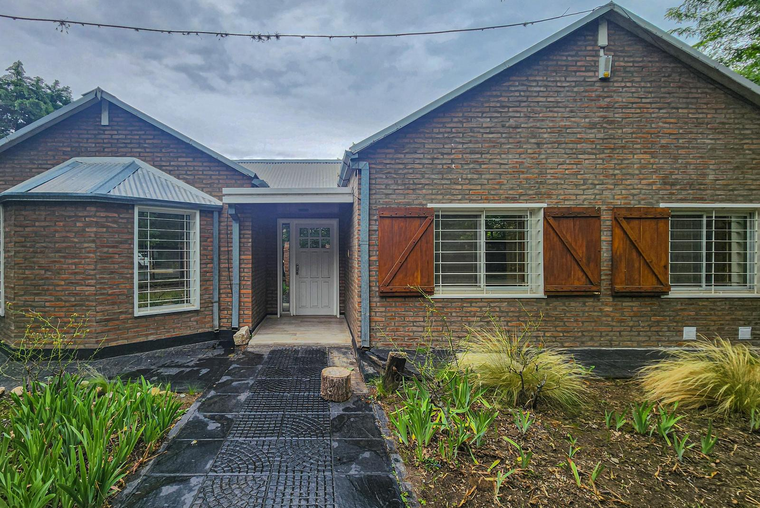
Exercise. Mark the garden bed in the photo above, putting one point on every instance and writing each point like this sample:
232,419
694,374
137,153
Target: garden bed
639,470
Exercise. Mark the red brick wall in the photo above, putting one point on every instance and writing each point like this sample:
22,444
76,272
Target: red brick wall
550,131
64,258
82,135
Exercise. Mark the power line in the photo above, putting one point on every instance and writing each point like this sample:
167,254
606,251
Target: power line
64,25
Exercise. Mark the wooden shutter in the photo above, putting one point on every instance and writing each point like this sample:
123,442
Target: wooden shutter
640,244
572,251
405,254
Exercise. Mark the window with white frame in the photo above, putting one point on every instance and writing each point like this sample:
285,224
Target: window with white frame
713,251
489,252
167,276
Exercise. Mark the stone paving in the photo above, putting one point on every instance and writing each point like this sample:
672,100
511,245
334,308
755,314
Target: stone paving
264,437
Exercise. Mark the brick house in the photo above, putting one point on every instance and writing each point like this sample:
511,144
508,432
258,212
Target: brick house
607,178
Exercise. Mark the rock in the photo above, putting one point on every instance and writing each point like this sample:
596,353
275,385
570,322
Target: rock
19,390
155,391
242,336
99,391
2,391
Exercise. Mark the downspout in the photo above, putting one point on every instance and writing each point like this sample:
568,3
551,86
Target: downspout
364,250
235,267
215,297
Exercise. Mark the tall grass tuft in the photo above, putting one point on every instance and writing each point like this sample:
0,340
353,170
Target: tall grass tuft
717,374
520,372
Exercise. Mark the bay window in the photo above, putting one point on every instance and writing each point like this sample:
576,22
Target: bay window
167,276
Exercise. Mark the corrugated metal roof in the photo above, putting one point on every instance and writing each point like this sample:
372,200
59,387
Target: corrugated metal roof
116,177
295,173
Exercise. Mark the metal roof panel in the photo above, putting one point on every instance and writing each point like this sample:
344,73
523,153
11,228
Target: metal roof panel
117,177
296,173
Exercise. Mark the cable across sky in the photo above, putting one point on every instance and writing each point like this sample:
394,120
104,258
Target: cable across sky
66,24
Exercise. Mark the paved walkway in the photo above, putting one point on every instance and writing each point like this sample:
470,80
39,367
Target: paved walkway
264,437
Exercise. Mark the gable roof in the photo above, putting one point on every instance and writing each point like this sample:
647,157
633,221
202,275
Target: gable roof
97,95
296,173
623,17
123,179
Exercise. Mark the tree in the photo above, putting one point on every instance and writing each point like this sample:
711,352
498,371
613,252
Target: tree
24,99
728,30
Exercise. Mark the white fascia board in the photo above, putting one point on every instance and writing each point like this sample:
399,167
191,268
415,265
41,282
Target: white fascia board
235,196
486,206
711,206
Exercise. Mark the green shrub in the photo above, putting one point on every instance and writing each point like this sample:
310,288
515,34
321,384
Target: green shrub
69,442
520,372
717,374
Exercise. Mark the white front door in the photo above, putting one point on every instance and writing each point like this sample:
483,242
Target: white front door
314,268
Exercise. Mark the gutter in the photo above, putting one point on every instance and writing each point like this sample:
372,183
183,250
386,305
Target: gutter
235,267
215,295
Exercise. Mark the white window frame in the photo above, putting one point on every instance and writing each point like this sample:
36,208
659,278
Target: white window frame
195,260
535,287
696,208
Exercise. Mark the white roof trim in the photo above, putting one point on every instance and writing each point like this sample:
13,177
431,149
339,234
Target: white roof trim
486,206
94,96
628,20
235,196
711,206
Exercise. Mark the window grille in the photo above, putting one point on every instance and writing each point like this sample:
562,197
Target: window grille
167,274
713,252
488,252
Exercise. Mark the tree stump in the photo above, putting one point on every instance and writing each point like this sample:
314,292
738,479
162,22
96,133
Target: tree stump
336,384
394,369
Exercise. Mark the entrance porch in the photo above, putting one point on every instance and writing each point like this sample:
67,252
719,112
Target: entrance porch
303,331
298,244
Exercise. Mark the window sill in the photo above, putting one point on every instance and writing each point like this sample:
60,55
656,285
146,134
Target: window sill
710,295
492,295
165,310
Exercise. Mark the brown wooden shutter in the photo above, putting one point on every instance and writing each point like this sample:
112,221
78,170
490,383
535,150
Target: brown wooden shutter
572,250
640,243
405,254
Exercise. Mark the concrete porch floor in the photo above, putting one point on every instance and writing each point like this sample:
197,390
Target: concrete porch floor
302,331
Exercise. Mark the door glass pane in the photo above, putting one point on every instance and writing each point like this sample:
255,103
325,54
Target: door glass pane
303,232
303,243
325,243
314,232
285,268
314,243
325,232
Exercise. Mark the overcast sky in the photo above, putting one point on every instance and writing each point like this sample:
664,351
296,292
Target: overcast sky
287,98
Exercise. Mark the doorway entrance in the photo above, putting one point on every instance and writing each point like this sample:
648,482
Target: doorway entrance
308,276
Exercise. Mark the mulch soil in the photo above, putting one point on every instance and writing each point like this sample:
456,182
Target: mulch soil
640,470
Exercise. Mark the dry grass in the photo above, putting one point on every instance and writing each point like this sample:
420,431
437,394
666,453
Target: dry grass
522,373
718,375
